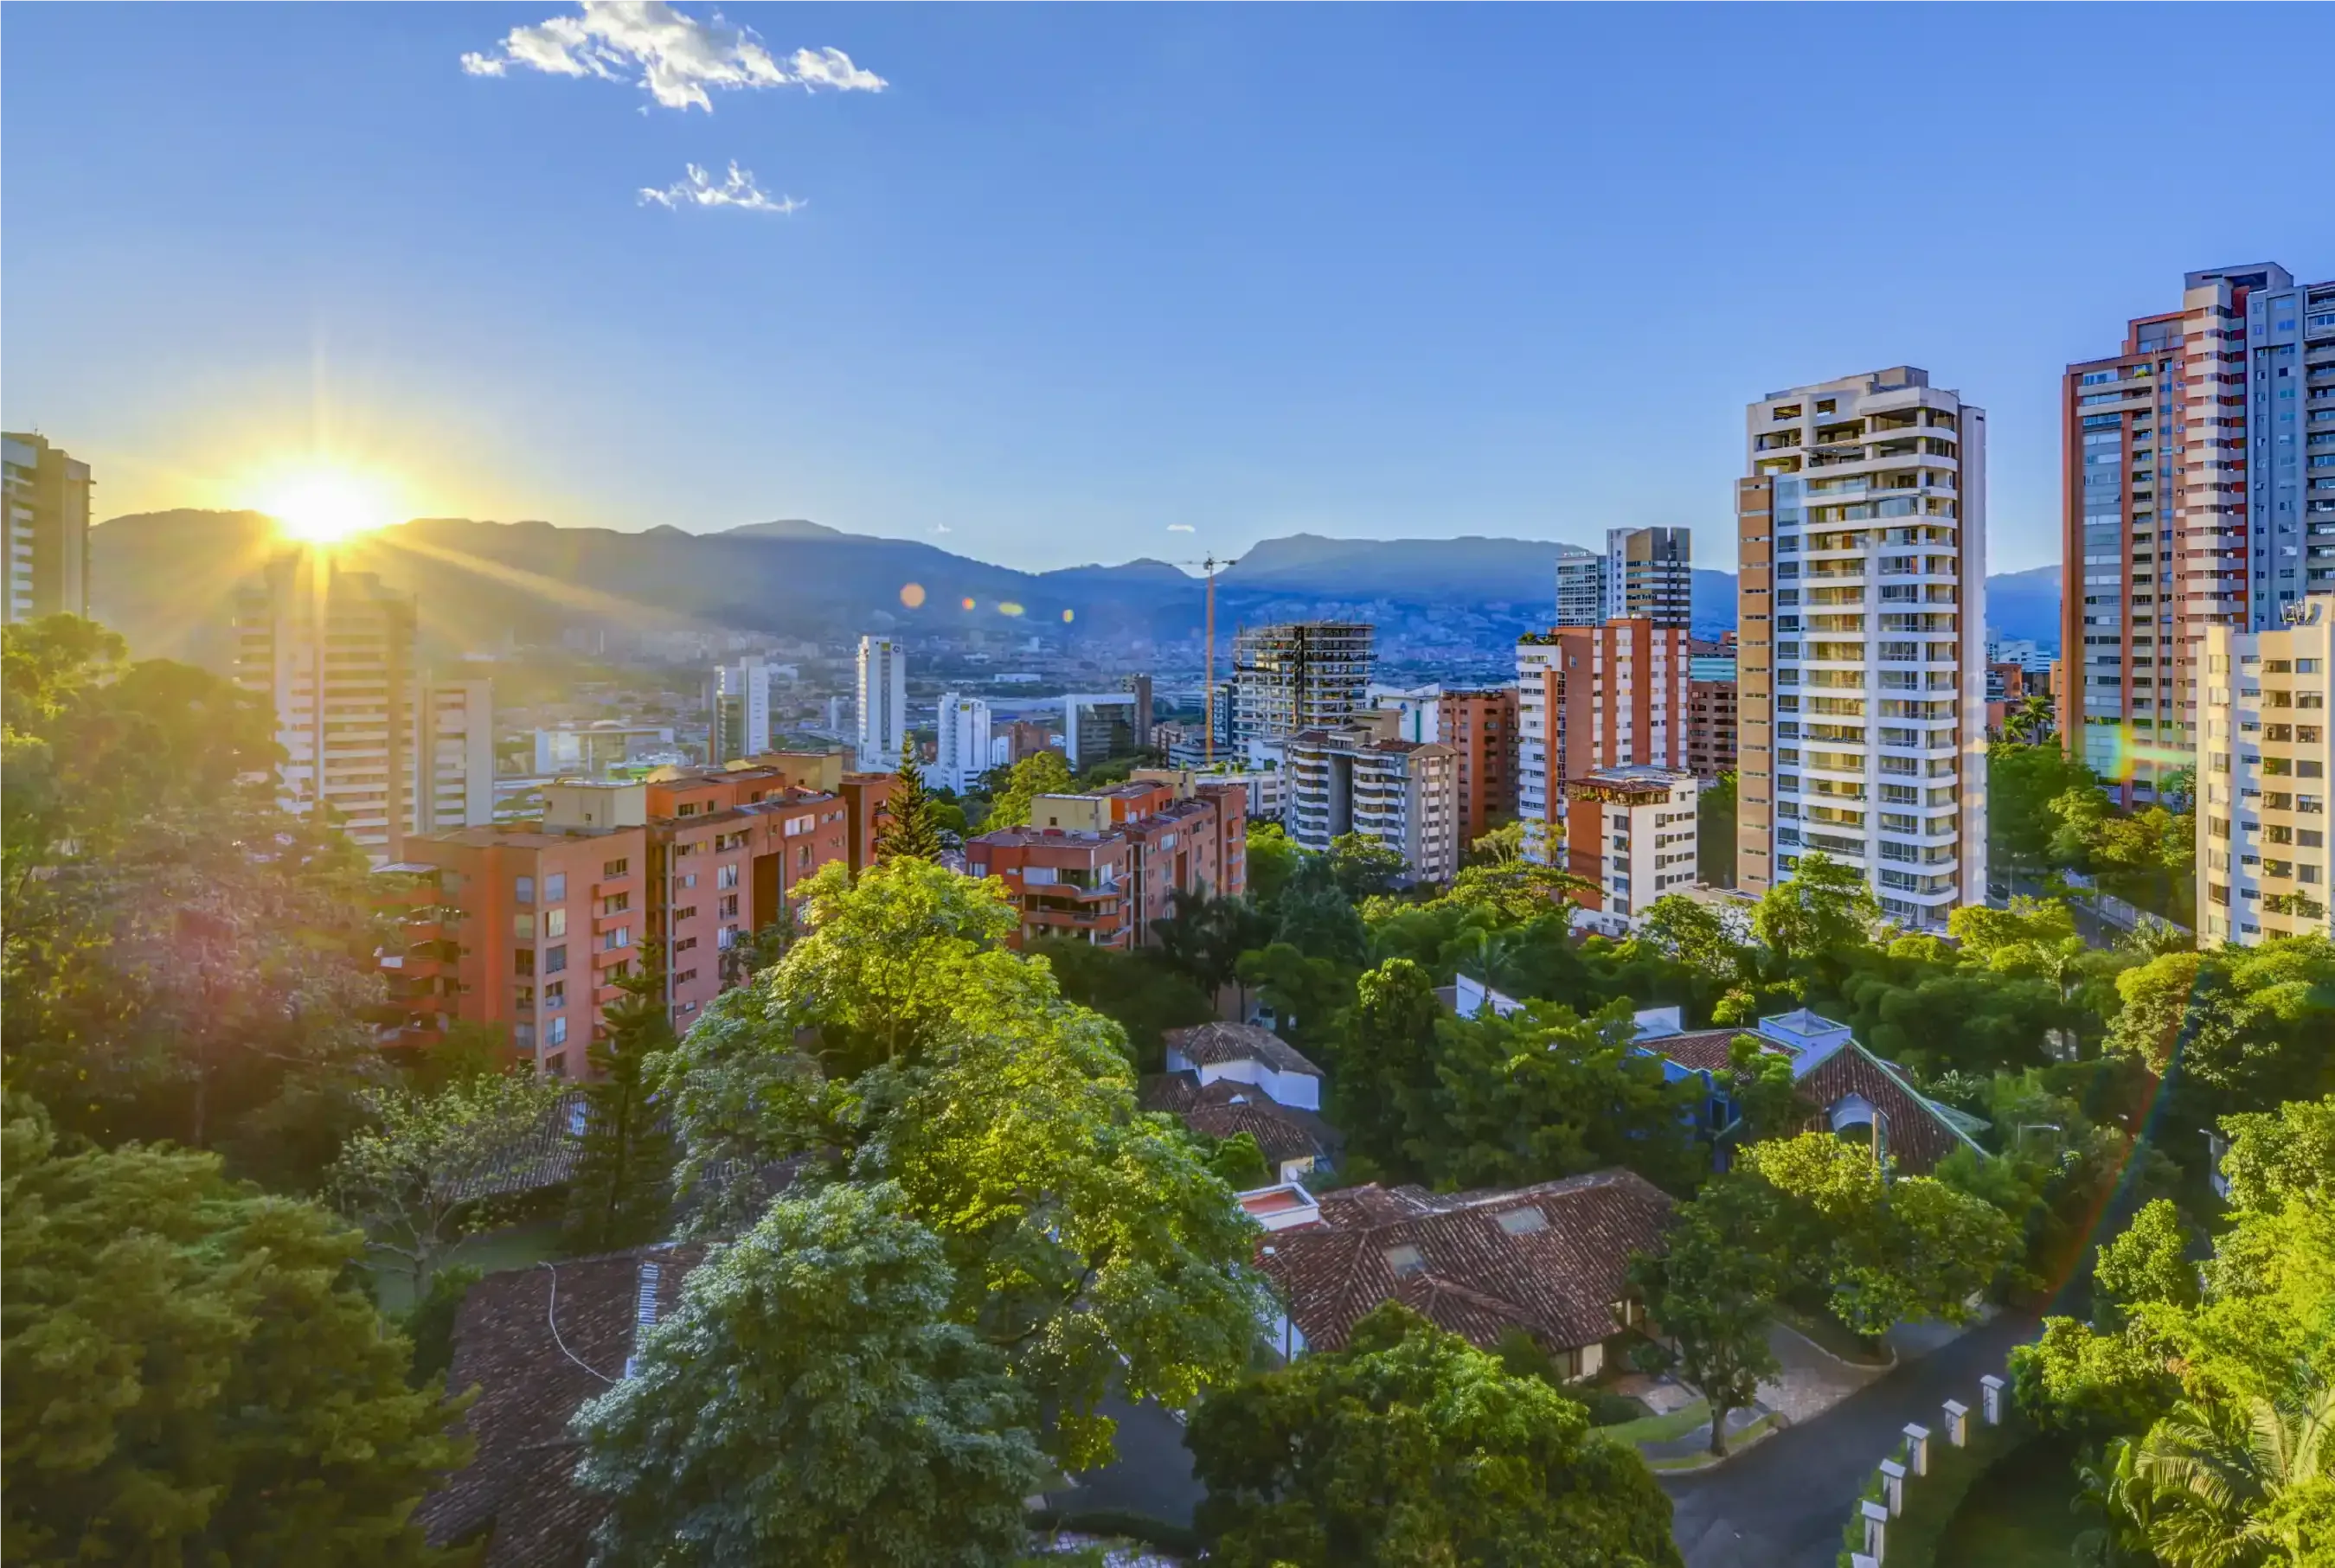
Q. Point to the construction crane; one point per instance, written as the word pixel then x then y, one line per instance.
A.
pixel 1211 566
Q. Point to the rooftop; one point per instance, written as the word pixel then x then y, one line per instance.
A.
pixel 1214 1044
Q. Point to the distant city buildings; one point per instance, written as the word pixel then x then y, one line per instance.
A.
pixel 741 720
pixel 883 703
pixel 1097 726
pixel 963 752
pixel 1862 699
pixel 45 491
pixel 1710 716
pixel 1359 779
pixel 2263 761
pixel 2191 501
pixel 1590 697
pixel 1298 675
pixel 1580 588
pixel 593 750
pixel 1416 709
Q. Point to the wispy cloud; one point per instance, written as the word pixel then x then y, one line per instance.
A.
pixel 1180 528
pixel 942 529
pixel 672 55
pixel 738 191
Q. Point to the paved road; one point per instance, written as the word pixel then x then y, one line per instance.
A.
pixel 1781 1504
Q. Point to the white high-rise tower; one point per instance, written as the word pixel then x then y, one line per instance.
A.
pixel 883 703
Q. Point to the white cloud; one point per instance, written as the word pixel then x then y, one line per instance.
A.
pixel 739 190
pixel 942 529
pixel 1180 528
pixel 674 56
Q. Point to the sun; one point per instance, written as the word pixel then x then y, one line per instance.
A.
pixel 325 506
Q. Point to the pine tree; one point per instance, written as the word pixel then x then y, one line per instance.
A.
pixel 908 827
pixel 622 1192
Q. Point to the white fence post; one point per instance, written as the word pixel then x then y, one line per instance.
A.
pixel 1990 1396
pixel 1957 1423
pixel 1917 1448
pixel 1876 1527
pixel 1892 1485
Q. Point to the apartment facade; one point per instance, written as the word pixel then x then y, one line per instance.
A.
pixel 1711 717
pixel 962 754
pixel 740 723
pixel 1581 589
pixel 1630 830
pixel 1357 778
pixel 1648 575
pixel 333 651
pixel 1480 729
pixel 1067 882
pixel 455 753
pixel 1590 697
pixel 1861 695
pixel 1299 675
pixel 46 493
pixel 1184 834
pixel 2166 528
pixel 2263 760
pixel 883 703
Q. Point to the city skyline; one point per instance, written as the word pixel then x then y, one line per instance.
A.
pixel 1145 284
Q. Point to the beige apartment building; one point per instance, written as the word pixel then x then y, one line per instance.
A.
pixel 2262 763
pixel 1861 689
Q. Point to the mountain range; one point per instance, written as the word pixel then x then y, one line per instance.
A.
pixel 164 579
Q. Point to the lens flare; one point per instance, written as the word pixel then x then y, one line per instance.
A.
pixel 912 595
pixel 325 506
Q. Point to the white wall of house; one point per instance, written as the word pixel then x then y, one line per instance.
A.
pixel 1301 1090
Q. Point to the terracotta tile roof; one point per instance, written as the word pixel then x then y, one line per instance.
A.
pixel 1915 1134
pixel 1278 1138
pixel 515 1495
pixel 1214 1044
pixel 1223 1107
pixel 1557 1275
pixel 1703 1051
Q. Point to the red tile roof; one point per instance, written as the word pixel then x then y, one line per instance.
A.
pixel 1916 1136
pixel 1472 1274
pixel 1705 1050
pixel 516 1494
pixel 1214 1044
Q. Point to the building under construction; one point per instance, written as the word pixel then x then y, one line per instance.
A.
pixel 1299 675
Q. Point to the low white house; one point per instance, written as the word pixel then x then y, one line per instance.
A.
pixel 1243 1054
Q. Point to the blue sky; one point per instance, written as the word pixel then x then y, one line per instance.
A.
pixel 1077 280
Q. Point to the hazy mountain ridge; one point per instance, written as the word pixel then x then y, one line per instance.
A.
pixel 164 579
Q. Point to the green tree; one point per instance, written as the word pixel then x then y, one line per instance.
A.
pixel 1698 936
pixel 1237 1162
pixel 1714 835
pixel 192 1375
pixel 621 1192
pixel 1314 914
pixel 1760 1084
pixel 1818 914
pixel 2247 1480
pixel 1410 1446
pixel 2089 1386
pixel 1040 773
pixel 811 1401
pixel 1363 867
pixel 1204 938
pixel 425 1173
pixel 1713 1291
pixel 2148 1261
pixel 1272 859
pixel 909 828
pixel 1384 1060
pixel 1882 1250
pixel 1136 990
pixel 900 1042
pixel 1307 995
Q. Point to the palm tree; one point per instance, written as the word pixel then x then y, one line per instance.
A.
pixel 2030 722
pixel 2112 1488
pixel 2218 1469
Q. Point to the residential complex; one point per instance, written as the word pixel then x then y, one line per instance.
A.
pixel 1861 702
pixel 1359 779
pixel 1104 867
pixel 1298 675
pixel 2262 763
pixel 883 703
pixel 1580 588
pixel 1710 716
pixel 530 926
pixel 1590 697
pixel 1480 727
pixel 2189 503
pixel 46 493
pixel 961 755
pixel 1632 831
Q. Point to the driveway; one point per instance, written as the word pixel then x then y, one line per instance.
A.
pixel 1782 1502
pixel 1152 1474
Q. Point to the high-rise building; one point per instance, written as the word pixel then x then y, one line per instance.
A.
pixel 1580 588
pixel 1415 707
pixel 2291 445
pixel 1710 717
pixel 1591 697
pixel 2262 762
pixel 1299 675
pixel 46 495
pixel 333 651
pixel 1480 729
pixel 962 755
pixel 742 710
pixel 1359 779
pixel 1648 573
pixel 1630 830
pixel 455 754
pixel 1140 688
pixel 1097 726
pixel 1861 668
pixel 883 703
pixel 2166 530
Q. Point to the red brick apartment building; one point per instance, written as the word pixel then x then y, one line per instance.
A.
pixel 1480 727
pixel 529 927
pixel 1106 866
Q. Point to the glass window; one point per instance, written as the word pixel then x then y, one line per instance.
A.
pixel 555 887
pixel 523 927
pixel 615 868
pixel 523 889
pixel 555 959
pixel 555 922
